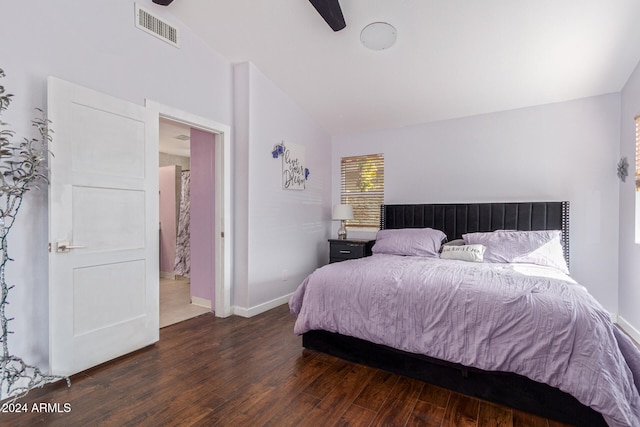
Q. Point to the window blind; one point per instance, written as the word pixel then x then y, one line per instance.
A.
pixel 362 186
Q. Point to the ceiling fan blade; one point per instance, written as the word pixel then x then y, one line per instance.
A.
pixel 163 2
pixel 331 12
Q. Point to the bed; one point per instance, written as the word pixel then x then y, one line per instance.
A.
pixel 467 326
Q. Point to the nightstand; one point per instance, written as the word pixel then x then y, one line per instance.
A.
pixel 340 250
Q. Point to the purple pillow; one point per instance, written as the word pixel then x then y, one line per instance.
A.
pixel 423 242
pixel 542 247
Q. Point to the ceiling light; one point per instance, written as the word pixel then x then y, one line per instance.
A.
pixel 378 36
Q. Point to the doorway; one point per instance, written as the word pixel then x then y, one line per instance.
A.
pixel 219 167
pixel 178 299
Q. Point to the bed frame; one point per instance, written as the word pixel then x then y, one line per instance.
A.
pixel 503 388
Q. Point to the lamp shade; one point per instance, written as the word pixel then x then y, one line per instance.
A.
pixel 341 212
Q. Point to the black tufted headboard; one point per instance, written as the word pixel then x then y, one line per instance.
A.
pixel 456 219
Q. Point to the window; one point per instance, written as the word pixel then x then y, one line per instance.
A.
pixel 362 179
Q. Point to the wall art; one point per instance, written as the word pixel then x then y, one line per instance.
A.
pixel 294 173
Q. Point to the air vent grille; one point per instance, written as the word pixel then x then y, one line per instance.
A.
pixel 156 26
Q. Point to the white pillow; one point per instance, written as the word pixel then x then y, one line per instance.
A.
pixel 473 253
pixel 542 247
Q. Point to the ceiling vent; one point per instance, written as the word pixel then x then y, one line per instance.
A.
pixel 156 26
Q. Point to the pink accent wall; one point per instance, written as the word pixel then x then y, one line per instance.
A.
pixel 202 215
pixel 167 183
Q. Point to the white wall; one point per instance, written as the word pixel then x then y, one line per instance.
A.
pixel 564 151
pixel 629 312
pixel 279 233
pixel 94 44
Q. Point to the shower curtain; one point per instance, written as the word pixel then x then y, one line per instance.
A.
pixel 183 253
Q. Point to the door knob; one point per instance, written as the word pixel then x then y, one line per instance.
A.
pixel 66 246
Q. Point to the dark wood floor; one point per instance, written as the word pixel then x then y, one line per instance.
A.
pixel 251 372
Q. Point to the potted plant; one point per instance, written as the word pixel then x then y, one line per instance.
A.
pixel 22 167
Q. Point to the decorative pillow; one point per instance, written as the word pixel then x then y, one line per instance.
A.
pixel 473 253
pixel 454 242
pixel 542 247
pixel 423 242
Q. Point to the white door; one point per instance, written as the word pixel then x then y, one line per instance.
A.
pixel 103 228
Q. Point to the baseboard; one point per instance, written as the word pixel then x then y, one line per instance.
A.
pixel 629 329
pixel 201 302
pixel 261 308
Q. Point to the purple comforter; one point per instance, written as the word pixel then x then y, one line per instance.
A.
pixel 534 321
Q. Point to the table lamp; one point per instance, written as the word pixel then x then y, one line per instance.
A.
pixel 342 213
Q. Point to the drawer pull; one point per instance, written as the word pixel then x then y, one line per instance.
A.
pixel 345 252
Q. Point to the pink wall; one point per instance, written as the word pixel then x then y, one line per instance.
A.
pixel 202 215
pixel 167 177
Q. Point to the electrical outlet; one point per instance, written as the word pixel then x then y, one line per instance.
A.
pixel 285 275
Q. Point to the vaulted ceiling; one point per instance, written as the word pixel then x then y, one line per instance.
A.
pixel 452 58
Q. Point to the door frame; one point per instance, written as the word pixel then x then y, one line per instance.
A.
pixel 223 208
